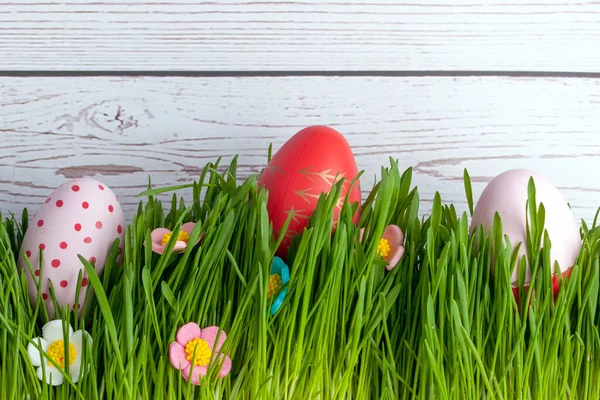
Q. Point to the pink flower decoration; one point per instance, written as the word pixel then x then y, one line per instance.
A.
pixel 190 340
pixel 390 245
pixel 160 234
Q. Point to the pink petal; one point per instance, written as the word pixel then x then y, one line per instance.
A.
pixel 394 235
pixel 394 257
pixel 226 368
pixel 157 248
pixel 180 245
pixel 199 238
pixel 158 234
pixel 210 335
pixel 188 227
pixel 196 374
pixel 188 332
pixel 362 233
pixel 177 356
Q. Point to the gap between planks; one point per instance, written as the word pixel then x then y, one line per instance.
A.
pixel 280 74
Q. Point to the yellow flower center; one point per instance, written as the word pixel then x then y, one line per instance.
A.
pixel 383 248
pixel 274 285
pixel 182 237
pixel 56 351
pixel 203 353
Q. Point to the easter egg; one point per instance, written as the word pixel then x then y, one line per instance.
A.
pixel 306 166
pixel 81 217
pixel 507 194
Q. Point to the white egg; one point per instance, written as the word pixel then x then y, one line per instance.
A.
pixel 507 195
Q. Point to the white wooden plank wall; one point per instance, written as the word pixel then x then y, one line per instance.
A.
pixel 508 35
pixel 126 128
pixel 521 106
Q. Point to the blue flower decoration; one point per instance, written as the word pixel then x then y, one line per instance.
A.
pixel 278 267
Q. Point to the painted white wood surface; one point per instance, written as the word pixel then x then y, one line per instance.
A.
pixel 508 35
pixel 121 130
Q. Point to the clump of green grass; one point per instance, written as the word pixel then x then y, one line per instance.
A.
pixel 439 325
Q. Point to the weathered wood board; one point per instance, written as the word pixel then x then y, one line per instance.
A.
pixel 185 35
pixel 123 129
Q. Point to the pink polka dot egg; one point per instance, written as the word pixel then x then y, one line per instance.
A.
pixel 81 217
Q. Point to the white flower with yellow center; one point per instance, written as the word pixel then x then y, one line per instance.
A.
pixel 52 344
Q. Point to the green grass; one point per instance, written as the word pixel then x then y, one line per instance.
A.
pixel 436 326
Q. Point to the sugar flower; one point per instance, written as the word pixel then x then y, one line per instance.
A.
pixel 53 345
pixel 390 245
pixel 192 352
pixel 280 276
pixel 161 236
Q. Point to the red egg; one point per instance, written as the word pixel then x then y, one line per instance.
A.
pixel 308 164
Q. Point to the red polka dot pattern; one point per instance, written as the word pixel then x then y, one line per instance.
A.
pixel 81 217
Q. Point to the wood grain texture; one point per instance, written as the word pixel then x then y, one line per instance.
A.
pixel 503 35
pixel 121 130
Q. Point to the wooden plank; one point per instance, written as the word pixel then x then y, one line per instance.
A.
pixel 495 35
pixel 123 129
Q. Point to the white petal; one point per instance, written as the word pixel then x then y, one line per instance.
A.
pixel 53 331
pixel 78 342
pixel 34 353
pixel 53 376
pixel 77 338
pixel 74 371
